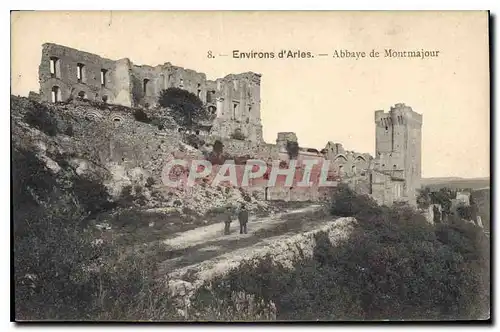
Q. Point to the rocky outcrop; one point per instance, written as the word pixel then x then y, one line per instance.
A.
pixel 106 143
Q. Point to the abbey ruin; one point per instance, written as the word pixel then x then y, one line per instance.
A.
pixel 392 175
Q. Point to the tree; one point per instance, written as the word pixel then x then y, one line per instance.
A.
pixel 424 198
pixel 292 148
pixel 443 197
pixel 465 212
pixel 186 108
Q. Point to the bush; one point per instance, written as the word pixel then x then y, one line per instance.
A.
pixel 237 134
pixel 150 181
pixel 193 140
pixel 346 203
pixel 292 148
pixel 141 116
pixel 69 131
pixel 394 265
pixel 41 118
pixel 185 107
pixel 465 212
pixel 60 271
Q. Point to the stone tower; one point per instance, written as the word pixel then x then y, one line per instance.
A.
pixel 399 149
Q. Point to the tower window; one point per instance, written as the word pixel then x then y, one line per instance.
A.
pixel 145 86
pixel 181 84
pixel 80 72
pixel 82 95
pixel 103 77
pixel 235 110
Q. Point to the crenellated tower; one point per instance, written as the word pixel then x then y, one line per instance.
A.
pixel 398 149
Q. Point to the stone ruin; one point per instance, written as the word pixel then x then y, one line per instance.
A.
pixel 393 175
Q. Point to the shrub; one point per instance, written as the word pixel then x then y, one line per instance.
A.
pixel 346 203
pixel 41 118
pixel 393 266
pixel 69 131
pixel 238 135
pixel 150 181
pixel 292 148
pixel 185 107
pixel 466 212
pixel 193 140
pixel 141 116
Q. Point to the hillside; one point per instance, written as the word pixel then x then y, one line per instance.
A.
pixel 105 144
pixel 456 183
pixel 96 237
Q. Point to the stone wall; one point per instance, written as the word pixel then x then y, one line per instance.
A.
pixel 235 101
pixel 284 250
pixel 58 75
pixel 235 98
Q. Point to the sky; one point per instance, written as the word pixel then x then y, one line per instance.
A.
pixel 321 99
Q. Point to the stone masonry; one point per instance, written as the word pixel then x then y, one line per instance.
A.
pixel 393 175
pixel 66 73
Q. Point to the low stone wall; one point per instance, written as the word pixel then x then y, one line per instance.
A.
pixel 284 249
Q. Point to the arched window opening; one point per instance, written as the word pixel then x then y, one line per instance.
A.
pixel 55 67
pixel 56 94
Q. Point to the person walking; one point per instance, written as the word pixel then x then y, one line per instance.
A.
pixel 227 222
pixel 243 219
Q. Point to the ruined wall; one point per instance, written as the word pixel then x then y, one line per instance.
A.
pixel 235 99
pixel 148 82
pixel 238 106
pixel 332 149
pixel 60 77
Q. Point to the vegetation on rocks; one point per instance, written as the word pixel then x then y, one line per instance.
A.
pixel 394 265
pixel 185 107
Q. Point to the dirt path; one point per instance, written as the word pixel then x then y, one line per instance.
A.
pixel 215 232
pixel 208 245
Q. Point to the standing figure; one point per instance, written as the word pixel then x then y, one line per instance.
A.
pixel 227 222
pixel 243 219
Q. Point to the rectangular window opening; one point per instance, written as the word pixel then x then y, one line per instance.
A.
pixel 80 73
pixel 103 77
pixel 54 67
